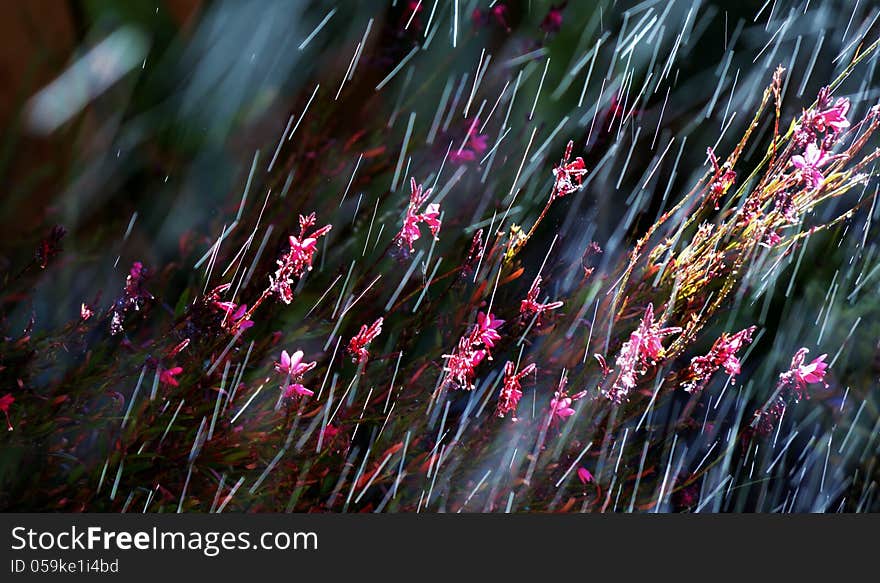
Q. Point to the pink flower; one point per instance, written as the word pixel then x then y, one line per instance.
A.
pixel 584 475
pixel 239 318
pixel 569 175
pixel 488 329
pixel 298 259
pixel 809 163
pixel 722 354
pixel 85 312
pixel 410 233
pixel 461 365
pixel 552 22
pixel 293 365
pixel 357 346
pixel 474 144
pixel 825 117
pixel 561 406
pixel 511 391
pixel 167 376
pixel 6 401
pixel 833 118
pixel 296 389
pixel 804 374
pixel 472 349
pixel 531 306
pixel 643 349
pixel 793 381
pixel 234 315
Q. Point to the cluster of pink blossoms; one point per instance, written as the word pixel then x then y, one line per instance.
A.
pixel 471 351
pixel 722 354
pixel 794 381
pixel 643 349
pixel 531 306
pixel 816 132
pixel 511 391
pixel 298 259
pixel 825 117
pixel 293 367
pixel 431 217
pixel 357 346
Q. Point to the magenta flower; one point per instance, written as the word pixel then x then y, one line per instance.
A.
pixel 235 315
pixel 584 475
pixel 833 118
pixel 651 333
pixel 488 329
pixel 167 376
pixel 6 402
pixel 552 22
pixel 461 365
pixel 293 365
pixel 410 233
pixel 239 318
pixel 569 175
pixel 531 306
pixel 474 145
pixel 642 350
pixel 825 117
pixel 722 354
pixel 511 391
pixel 357 346
pixel 560 406
pixel 809 163
pixel 298 259
pixel 804 374
pixel 296 389
pixel 793 381
pixel 471 351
